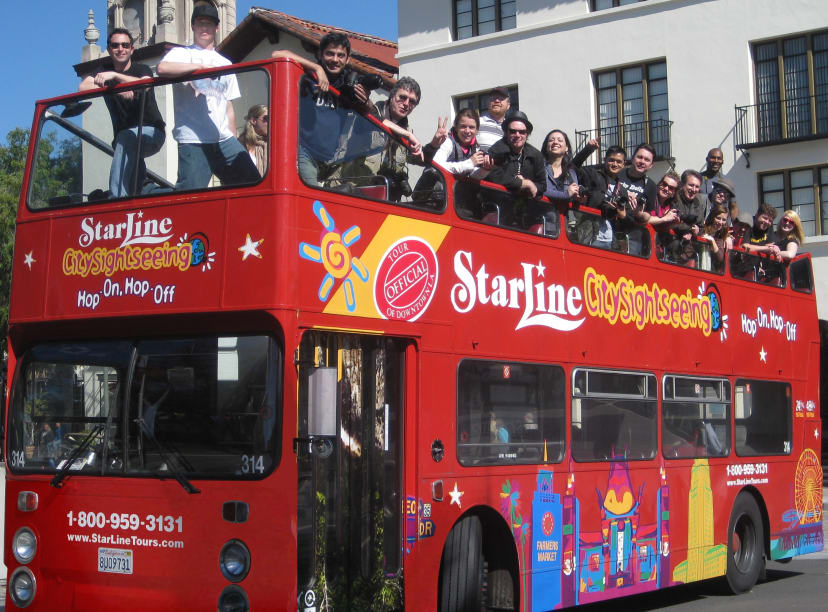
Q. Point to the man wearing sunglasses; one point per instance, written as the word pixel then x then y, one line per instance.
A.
pixel 518 166
pixel 392 161
pixel 125 111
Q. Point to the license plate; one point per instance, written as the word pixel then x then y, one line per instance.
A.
pixel 115 560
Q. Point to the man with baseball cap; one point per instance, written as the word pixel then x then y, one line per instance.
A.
pixel 491 122
pixel 205 121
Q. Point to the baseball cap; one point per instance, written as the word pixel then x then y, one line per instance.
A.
pixel 205 9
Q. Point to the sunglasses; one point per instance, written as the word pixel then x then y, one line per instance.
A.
pixel 402 99
pixel 120 45
pixel 521 132
pixel 666 187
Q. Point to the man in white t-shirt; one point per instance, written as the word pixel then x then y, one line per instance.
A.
pixel 205 122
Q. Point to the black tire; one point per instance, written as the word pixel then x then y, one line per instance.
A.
pixel 745 545
pixel 461 569
pixel 500 589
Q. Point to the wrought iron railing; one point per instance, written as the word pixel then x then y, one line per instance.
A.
pixel 780 120
pixel 655 132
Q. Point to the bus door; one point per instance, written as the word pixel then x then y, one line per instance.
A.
pixel 349 453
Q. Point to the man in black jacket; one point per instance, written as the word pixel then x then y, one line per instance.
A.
pixel 518 166
pixel 607 194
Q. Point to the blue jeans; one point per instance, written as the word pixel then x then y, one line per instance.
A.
pixel 124 158
pixel 227 159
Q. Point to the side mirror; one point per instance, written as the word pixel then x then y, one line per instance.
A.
pixel 322 402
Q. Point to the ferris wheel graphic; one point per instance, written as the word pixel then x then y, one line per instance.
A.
pixel 808 488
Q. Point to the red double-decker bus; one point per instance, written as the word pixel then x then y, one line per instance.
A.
pixel 307 392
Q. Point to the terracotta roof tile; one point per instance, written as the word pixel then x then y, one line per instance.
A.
pixel 372 50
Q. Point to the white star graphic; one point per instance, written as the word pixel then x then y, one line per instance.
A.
pixel 140 214
pixel 251 247
pixel 455 496
pixel 541 268
pixel 763 355
pixel 29 259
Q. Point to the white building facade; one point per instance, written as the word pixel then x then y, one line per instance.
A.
pixel 747 76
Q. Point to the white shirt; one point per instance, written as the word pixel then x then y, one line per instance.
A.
pixel 201 105
pixel 489 132
pixel 465 167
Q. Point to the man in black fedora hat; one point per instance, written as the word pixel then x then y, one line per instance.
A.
pixel 518 166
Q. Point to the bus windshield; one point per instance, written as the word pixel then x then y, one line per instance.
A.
pixel 202 406
pixel 87 147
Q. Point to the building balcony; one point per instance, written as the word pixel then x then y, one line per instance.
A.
pixel 781 121
pixel 655 132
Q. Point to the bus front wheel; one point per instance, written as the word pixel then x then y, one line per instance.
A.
pixel 461 570
pixel 745 544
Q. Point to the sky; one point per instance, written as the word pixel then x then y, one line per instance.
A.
pixel 43 39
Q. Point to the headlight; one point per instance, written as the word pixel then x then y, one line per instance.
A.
pixel 234 561
pixel 233 599
pixel 22 587
pixel 24 545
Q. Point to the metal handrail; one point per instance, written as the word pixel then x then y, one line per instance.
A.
pixel 655 132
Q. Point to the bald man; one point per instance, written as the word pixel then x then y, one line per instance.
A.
pixel 712 171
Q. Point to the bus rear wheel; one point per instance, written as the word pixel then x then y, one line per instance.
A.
pixel 461 570
pixel 745 544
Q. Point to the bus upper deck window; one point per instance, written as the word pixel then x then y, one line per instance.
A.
pixel 88 150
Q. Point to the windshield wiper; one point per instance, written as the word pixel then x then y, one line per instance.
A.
pixel 62 472
pixel 167 455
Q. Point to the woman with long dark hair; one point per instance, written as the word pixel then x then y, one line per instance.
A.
pixel 716 235
pixel 561 176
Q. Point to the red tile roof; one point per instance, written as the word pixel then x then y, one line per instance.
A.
pixel 370 54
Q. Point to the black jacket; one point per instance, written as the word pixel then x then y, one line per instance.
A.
pixel 595 179
pixel 529 164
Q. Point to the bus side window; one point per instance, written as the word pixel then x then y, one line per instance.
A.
pixel 509 413
pixel 801 275
pixel 763 418
pixel 695 417
pixel 613 416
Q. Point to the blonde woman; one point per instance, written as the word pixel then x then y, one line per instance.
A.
pixel 254 137
pixel 790 234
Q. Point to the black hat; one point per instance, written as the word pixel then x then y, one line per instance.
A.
pixel 679 229
pixel 205 9
pixel 499 90
pixel 725 185
pixel 517 116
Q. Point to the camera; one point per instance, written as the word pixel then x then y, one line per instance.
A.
pixel 398 179
pixel 369 83
pixel 583 192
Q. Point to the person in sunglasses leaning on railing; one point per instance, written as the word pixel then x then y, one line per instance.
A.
pixel 124 111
